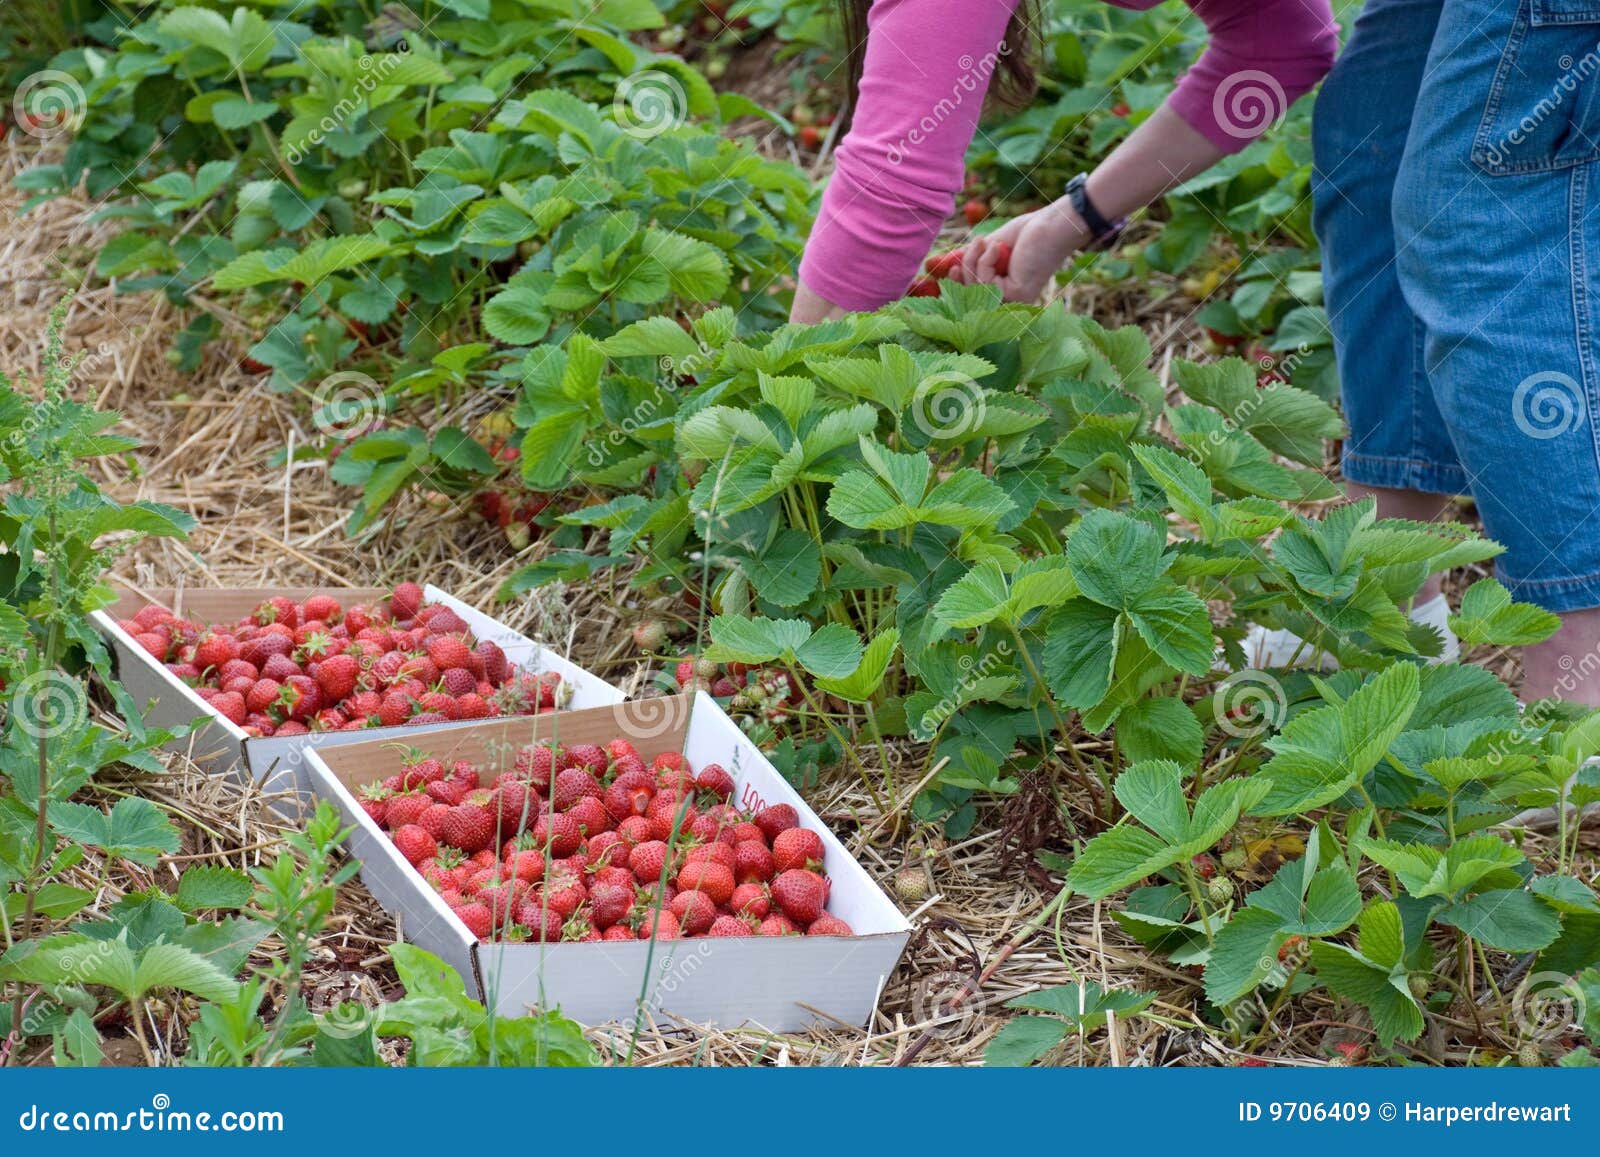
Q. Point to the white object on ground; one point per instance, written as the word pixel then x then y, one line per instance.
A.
pixel 1282 648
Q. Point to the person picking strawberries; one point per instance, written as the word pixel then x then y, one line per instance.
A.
pixel 920 70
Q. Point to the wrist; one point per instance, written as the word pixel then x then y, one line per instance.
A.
pixel 1069 232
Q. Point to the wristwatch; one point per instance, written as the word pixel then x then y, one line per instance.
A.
pixel 1103 234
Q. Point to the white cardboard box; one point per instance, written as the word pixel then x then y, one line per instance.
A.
pixel 277 762
pixel 783 984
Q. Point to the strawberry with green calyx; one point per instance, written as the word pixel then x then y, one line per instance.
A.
pixel 797 848
pixel 800 894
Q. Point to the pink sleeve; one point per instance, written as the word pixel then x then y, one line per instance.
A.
pixel 1263 55
pixel 898 170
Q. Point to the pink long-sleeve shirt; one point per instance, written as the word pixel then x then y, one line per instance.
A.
pixel 927 68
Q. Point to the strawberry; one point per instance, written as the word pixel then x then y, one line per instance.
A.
pixel 1002 258
pixel 591 816
pixel 468 827
pixel 604 848
pixel 801 894
pixel 406 600
pixel 300 698
pixel 281 668
pixel 662 925
pixel 797 848
pixel 589 757
pixel 415 844
pixel 828 924
pixel 526 864
pixel 292 727
pixel 714 853
pixel 975 211
pixel 543 923
pixel 729 926
pixel 395 709
pixel 648 860
pixel 810 138
pixel 650 635
pixel 323 608
pixel 535 765
pixel 684 672
pixel 421 772
pixel 776 818
pixel 457 681
pixel 230 705
pixel 609 903
pixel 215 650
pixel 558 832
pixel 433 818
pixel 494 661
pixel 441 620
pixel 944 264
pixel 504 899
pixel 777 925
pixel 446 791
pixel 923 287
pixel 695 912
pixel 278 609
pixel 573 784
pixel 564 892
pixel 407 809
pixel 1120 109
pixel 750 900
pixel 620 749
pixel 753 863
pixel 1204 866
pixel 374 800
pixel 634 831
pixel 618 932
pixel 448 651
pixel 337 675
pixel 477 918
pixel 518 804
pixel 237 669
pixel 712 778
pixel 707 876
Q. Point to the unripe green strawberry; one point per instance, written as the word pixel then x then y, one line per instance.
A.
pixel 1529 1056
pixel 911 884
pixel 650 635
pixel 1220 890
pixel 1234 859
pixel 1419 984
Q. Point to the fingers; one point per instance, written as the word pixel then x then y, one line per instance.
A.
pixel 967 272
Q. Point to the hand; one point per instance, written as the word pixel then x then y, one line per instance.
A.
pixel 1041 242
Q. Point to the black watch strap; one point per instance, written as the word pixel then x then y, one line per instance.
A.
pixel 1102 232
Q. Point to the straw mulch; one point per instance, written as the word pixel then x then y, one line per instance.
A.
pixel 213 446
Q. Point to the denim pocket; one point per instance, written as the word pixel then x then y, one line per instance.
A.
pixel 1543 110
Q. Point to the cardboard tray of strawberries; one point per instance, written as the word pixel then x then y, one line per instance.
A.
pixel 271 681
pixel 592 859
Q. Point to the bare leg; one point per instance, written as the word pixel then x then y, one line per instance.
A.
pixel 1567 664
pixel 1414 505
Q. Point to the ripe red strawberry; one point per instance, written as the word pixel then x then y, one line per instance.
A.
pixel 745 831
pixel 975 211
pixel 447 791
pixel 263 695
pixel 564 892
pixel 536 763
pixel 214 650
pixel 406 600
pixel 278 609
pixel 322 608
pixel 280 667
pixel 415 844
pixel 230 705
pixel 573 784
pixel 477 918
pixel 558 832
pixel 776 818
pixel 421 772
pixel 407 808
pixel 448 651
pixel 777 924
pixel 797 848
pixel 661 925
pixel 712 778
pixel 237 668
pixel 1204 866
pixel 609 903
pixel 710 829
pixel 433 818
pixel 329 719
pixel 729 926
pixel 923 287
pixel 457 681
pixel 504 899
pixel 828 924
pixel 707 876
pixel 750 900
pixel 800 894
pixel 543 923
pixel 591 816
pixel 518 805
pixel 395 709
pixel 648 860
pixel 292 727
pixel 468 827
pixel 695 912
pixel 605 848
pixel 300 698
pixel 753 863
pixel 944 264
pixel 526 865
pixel 634 830
pixel 337 675
pixel 684 672
pixel 374 800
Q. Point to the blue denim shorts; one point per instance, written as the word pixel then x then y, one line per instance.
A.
pixel 1457 199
